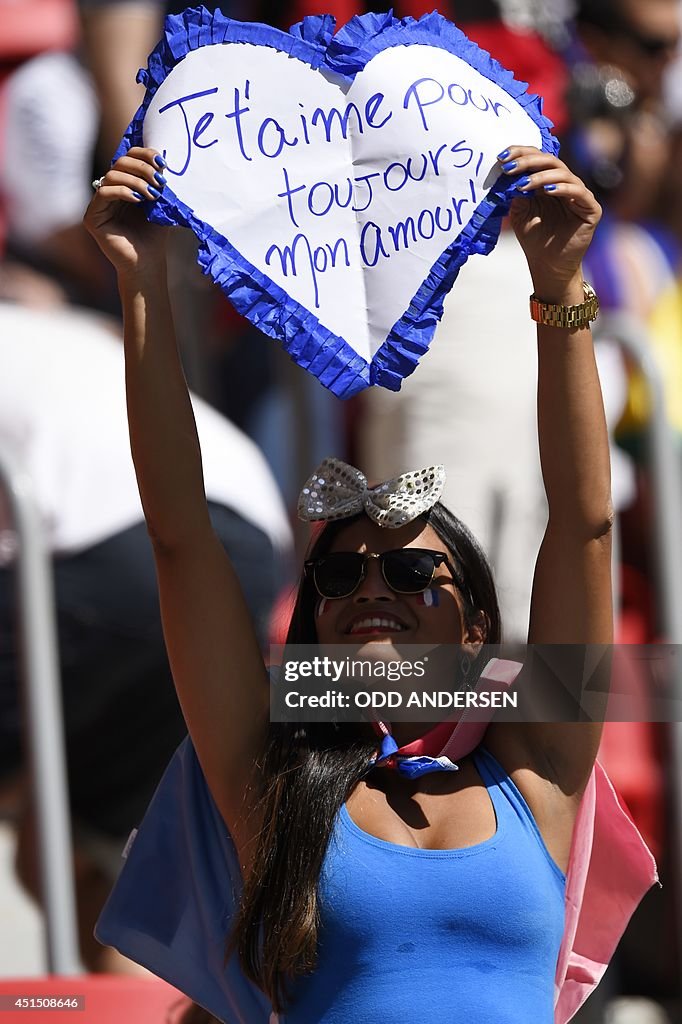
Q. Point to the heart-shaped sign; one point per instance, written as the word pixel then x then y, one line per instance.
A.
pixel 336 183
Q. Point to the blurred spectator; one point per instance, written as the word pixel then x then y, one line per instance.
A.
pixel 63 420
pixel 627 45
pixel 619 142
pixel 50 121
pixel 640 37
pixel 118 38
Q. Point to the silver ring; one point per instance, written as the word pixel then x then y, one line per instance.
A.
pixel 98 182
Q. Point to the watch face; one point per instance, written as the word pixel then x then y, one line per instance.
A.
pixel 554 315
pixel 591 302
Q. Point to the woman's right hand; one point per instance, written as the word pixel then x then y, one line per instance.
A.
pixel 122 232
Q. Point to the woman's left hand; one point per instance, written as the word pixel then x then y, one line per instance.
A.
pixel 554 217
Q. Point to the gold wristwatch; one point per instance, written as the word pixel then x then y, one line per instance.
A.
pixel 553 314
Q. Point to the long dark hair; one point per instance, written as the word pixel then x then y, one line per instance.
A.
pixel 308 773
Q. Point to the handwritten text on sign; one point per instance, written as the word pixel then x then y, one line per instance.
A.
pixel 345 197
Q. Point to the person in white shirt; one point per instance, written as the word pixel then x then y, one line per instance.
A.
pixel 63 421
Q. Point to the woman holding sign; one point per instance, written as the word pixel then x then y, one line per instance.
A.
pixel 364 880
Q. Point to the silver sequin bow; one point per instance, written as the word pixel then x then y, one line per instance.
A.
pixel 337 491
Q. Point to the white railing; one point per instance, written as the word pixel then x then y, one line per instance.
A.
pixel 42 694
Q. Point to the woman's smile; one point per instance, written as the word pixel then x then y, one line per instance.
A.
pixel 377 624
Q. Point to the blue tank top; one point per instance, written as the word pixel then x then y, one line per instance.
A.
pixel 466 936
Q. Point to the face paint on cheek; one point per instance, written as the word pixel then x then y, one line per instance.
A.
pixel 322 606
pixel 429 598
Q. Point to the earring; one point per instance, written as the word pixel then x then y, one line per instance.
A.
pixel 465 668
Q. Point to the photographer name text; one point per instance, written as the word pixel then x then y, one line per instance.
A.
pixel 456 699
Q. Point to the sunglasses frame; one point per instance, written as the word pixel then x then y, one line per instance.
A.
pixel 439 558
pixel 651 45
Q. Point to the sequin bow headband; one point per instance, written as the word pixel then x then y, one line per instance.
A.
pixel 336 491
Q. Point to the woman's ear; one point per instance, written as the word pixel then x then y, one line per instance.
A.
pixel 475 634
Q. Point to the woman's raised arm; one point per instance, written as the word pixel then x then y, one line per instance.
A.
pixel 572 599
pixel 212 646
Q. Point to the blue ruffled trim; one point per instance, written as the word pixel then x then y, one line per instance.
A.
pixel 309 343
pixel 269 308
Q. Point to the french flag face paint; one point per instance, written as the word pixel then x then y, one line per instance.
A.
pixel 429 598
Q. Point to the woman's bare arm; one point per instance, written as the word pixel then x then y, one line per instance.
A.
pixel 216 663
pixel 572 599
pixel 572 591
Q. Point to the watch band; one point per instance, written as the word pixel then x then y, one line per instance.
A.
pixel 553 314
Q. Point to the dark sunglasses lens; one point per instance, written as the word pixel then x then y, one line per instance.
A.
pixel 338 574
pixel 657 47
pixel 408 572
pixel 653 46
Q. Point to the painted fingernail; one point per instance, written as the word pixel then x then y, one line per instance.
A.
pixel 550 188
pixel 159 161
pixel 138 197
pixel 510 166
pixel 503 155
pixel 153 191
pixel 523 182
pixel 160 178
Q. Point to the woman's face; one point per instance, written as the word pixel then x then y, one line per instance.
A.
pixel 376 614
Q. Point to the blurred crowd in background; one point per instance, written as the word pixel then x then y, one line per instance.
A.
pixel 610 72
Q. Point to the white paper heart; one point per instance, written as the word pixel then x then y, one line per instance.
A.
pixel 337 184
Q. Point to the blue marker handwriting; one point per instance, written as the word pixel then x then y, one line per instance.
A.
pixel 228 117
pixel 207 117
pixel 300 259
pixel 358 192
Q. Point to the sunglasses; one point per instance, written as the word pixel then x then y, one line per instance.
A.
pixel 405 570
pixel 652 46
